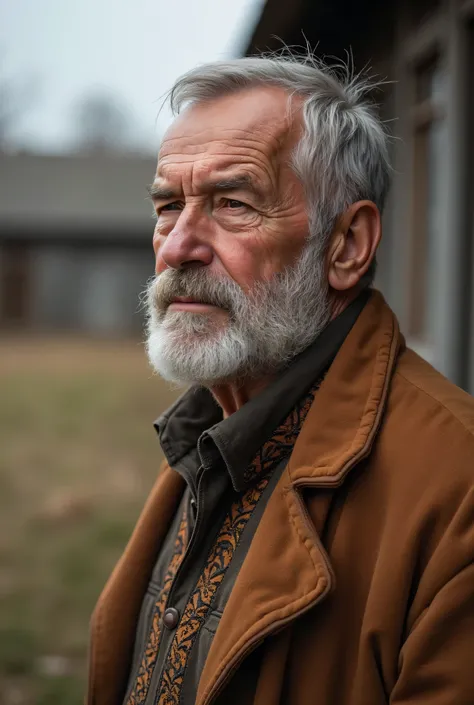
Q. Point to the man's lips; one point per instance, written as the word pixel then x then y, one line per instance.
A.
pixel 185 300
pixel 187 303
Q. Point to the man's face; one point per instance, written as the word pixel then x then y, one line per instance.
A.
pixel 235 205
pixel 231 220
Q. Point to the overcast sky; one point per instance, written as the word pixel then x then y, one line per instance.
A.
pixel 55 52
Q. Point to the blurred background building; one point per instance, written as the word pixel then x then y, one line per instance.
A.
pixel 75 242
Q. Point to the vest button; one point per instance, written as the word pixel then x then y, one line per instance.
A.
pixel 171 618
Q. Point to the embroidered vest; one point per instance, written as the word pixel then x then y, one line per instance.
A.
pixel 220 556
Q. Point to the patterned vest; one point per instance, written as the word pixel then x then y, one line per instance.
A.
pixel 200 601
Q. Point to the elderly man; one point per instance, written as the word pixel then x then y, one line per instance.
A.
pixel 311 536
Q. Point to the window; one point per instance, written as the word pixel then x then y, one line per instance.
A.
pixel 15 272
pixel 429 148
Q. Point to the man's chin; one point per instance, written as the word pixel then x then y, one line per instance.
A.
pixel 184 358
pixel 192 326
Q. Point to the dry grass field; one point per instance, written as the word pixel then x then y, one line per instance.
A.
pixel 78 457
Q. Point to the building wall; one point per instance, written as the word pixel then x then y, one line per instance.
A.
pixel 429 223
pixel 74 286
pixel 89 288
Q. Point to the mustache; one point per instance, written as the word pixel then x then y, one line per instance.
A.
pixel 194 283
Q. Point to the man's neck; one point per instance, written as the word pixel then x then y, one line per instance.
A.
pixel 232 396
pixel 341 301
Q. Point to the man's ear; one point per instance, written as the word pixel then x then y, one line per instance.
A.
pixel 353 244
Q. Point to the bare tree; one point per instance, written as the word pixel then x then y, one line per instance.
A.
pixel 103 124
pixel 16 96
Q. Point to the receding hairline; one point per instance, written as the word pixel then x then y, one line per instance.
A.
pixel 293 101
pixel 288 129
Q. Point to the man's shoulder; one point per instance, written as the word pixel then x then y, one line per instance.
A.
pixel 427 388
pixel 430 417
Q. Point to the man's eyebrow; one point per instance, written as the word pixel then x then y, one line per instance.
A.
pixel 233 183
pixel 161 193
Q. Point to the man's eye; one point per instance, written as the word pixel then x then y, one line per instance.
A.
pixel 174 206
pixel 233 203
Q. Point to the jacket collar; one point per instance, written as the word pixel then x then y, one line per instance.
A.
pixel 287 571
pixel 345 417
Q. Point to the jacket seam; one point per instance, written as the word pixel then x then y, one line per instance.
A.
pixel 445 585
pixel 379 387
pixel 291 501
pixel 438 402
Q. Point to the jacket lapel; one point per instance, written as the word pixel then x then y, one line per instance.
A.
pixel 287 571
pixel 114 619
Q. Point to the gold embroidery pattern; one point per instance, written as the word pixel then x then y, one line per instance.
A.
pixel 283 439
pixel 222 552
pixel 145 672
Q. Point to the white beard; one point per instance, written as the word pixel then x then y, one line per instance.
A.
pixel 263 332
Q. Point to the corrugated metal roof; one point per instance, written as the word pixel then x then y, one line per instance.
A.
pixel 76 193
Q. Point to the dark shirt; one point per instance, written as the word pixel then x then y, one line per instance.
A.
pixel 231 467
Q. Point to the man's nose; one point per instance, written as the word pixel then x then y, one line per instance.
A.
pixel 187 245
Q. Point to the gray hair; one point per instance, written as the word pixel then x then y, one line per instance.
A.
pixel 342 156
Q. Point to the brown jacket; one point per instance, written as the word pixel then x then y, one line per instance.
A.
pixel 358 587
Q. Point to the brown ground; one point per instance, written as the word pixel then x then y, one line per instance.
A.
pixel 78 457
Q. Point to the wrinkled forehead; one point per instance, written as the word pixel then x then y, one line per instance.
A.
pixel 263 121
